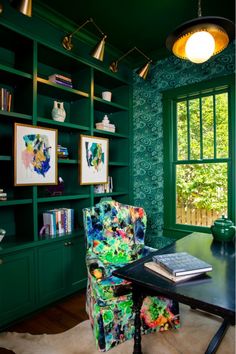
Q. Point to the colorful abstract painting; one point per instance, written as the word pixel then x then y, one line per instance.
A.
pixel 93 160
pixel 35 155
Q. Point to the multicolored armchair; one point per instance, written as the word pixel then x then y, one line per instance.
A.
pixel 114 237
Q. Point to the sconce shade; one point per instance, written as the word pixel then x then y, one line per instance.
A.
pixel 98 51
pixel 143 71
pixel 23 6
pixel 221 29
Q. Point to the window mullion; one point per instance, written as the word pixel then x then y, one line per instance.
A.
pixel 201 132
pixel 188 129
pixel 214 124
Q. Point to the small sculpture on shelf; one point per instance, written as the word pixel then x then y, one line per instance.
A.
pixel 106 125
pixel 56 190
pixel 2 234
pixel 58 112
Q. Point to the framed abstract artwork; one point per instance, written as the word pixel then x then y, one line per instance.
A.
pixel 35 155
pixel 93 160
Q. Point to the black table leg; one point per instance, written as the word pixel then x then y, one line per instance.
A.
pixel 138 300
pixel 216 340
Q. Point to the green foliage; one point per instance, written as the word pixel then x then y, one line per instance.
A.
pixel 203 134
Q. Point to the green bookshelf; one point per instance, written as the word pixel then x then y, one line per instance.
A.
pixel 39 267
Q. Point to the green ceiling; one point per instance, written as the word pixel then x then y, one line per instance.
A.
pixel 144 24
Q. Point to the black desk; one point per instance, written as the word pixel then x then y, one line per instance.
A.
pixel 214 293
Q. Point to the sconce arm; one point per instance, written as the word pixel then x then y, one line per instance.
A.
pixel 90 20
pixel 130 51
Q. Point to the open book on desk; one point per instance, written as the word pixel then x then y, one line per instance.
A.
pixel 163 272
pixel 181 263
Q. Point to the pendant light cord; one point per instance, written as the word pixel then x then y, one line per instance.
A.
pixel 199 9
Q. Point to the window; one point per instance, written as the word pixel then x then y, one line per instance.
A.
pixel 199 155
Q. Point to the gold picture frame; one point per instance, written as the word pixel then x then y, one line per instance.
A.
pixel 35 155
pixel 93 160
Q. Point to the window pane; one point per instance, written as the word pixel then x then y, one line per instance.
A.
pixel 182 131
pixel 208 127
pixel 201 193
pixel 222 125
pixel 194 129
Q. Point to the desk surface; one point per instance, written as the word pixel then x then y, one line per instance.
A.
pixel 214 292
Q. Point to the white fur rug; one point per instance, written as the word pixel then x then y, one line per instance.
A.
pixel 192 338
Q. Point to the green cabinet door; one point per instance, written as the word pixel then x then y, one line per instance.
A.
pixel 61 269
pixel 76 267
pixel 51 272
pixel 17 285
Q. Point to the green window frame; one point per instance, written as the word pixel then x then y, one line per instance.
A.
pixel 171 98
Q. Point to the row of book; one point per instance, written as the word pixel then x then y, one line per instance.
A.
pixel 3 195
pixel 61 80
pixel 5 99
pixel 104 188
pixel 58 221
pixel 179 266
pixel 62 152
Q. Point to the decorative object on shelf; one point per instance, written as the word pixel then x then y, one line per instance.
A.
pixel 57 189
pixel 3 195
pixel 142 72
pixel 61 80
pixel 98 51
pixel 93 160
pixel 35 155
pixel 199 39
pixel 62 152
pixel 2 234
pixel 106 125
pixel 223 229
pixel 58 112
pixel 5 99
pixel 104 188
pixel 106 95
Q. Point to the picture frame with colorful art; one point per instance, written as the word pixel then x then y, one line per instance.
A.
pixel 35 155
pixel 93 160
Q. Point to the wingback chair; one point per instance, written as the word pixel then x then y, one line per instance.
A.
pixel 114 237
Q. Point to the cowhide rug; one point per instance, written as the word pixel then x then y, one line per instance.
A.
pixel 192 338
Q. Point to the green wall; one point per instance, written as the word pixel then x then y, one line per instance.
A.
pixel 148 126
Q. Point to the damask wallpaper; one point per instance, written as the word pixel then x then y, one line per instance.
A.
pixel 147 126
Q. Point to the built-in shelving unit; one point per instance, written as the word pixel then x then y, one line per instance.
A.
pixel 27 261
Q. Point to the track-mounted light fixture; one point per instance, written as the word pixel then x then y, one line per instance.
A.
pixel 142 72
pixel 98 51
pixel 199 39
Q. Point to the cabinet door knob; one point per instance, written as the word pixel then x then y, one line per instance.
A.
pixel 1 261
pixel 66 244
pixel 69 243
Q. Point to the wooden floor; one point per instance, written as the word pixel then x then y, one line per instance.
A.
pixel 57 318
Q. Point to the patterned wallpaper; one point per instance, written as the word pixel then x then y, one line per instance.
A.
pixel 147 125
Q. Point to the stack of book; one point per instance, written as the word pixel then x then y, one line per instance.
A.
pixel 61 80
pixel 104 188
pixel 5 99
pixel 3 195
pixel 178 266
pixel 62 152
pixel 58 221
